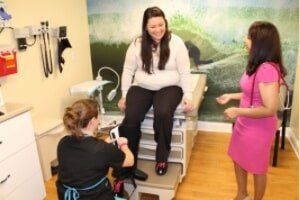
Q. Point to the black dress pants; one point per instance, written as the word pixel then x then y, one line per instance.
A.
pixel 138 101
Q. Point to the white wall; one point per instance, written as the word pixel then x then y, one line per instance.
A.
pixel 294 124
pixel 48 96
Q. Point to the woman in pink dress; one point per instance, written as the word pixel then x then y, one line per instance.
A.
pixel 256 117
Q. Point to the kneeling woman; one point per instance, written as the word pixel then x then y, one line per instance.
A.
pixel 83 160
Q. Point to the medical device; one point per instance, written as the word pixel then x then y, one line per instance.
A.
pixel 62 43
pixel 45 47
pixel 93 89
pixel 4 17
pixel 183 139
pixel 111 95
pixel 44 34
pixel 8 61
pixel 21 34
pixel 114 135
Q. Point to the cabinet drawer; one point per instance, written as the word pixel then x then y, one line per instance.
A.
pixel 20 167
pixel 148 137
pixel 177 124
pixel 148 152
pixel 15 133
pixel 25 191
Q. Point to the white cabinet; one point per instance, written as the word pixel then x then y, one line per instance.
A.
pixel 15 133
pixel 48 133
pixel 20 171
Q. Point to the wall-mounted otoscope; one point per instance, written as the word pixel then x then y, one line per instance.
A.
pixel 44 36
pixel 45 46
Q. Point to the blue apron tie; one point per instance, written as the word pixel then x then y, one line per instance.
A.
pixel 72 193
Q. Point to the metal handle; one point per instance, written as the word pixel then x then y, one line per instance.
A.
pixel 4 180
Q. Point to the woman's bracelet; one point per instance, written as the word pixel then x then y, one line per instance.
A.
pixel 122 144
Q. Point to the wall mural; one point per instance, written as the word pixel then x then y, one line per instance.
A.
pixel 213 32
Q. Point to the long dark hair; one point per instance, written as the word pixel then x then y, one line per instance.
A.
pixel 79 115
pixel 265 46
pixel 148 43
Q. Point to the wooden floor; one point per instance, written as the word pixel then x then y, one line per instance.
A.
pixel 210 174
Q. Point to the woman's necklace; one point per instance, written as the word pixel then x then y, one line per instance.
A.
pixel 155 50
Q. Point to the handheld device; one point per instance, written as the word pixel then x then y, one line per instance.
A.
pixel 114 134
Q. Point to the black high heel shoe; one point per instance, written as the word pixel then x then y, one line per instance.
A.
pixel 140 175
pixel 161 168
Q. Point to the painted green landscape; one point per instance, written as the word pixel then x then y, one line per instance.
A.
pixel 217 33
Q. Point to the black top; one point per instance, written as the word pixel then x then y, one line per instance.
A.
pixel 84 162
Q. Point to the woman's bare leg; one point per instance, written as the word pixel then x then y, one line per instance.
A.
pixel 241 179
pixel 260 182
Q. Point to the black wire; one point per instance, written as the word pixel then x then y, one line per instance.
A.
pixel 46 54
pixel 50 55
pixel 33 42
pixel 43 59
pixel 2 28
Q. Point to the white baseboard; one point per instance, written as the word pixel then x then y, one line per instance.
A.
pixel 227 128
pixel 214 126
pixel 293 140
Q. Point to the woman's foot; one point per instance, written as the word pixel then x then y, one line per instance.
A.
pixel 140 175
pixel 243 197
pixel 161 168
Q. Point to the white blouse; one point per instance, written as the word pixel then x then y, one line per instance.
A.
pixel 176 72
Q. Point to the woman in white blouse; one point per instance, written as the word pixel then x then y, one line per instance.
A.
pixel 156 73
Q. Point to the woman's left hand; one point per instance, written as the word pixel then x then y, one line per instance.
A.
pixel 231 113
pixel 187 105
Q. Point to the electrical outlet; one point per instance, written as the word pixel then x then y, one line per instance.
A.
pixel 34 30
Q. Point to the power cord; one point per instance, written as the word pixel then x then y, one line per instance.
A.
pixel 32 42
pixel 4 27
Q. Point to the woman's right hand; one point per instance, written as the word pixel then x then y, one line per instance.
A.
pixel 122 104
pixel 223 99
pixel 123 146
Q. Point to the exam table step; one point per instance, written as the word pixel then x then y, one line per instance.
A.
pixel 164 187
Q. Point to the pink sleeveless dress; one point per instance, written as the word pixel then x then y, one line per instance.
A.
pixel 252 138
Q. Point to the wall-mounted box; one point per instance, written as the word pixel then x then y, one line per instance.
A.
pixel 8 62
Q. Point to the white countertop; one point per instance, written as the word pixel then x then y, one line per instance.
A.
pixel 12 109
